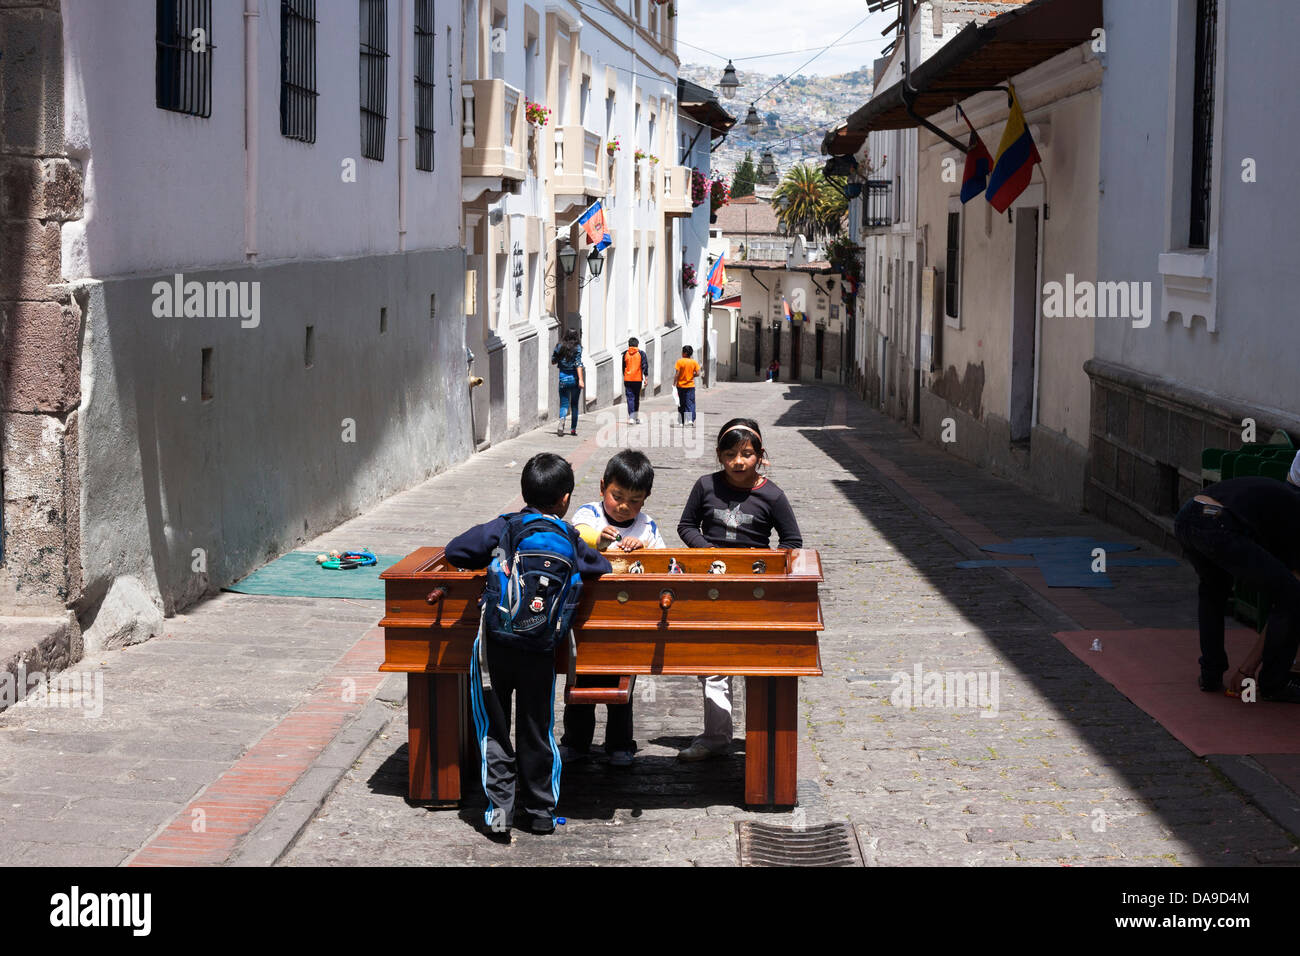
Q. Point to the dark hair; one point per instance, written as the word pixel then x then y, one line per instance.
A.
pixel 731 436
pixel 632 342
pixel 546 479
pixel 632 470
pixel 568 348
pixel 687 351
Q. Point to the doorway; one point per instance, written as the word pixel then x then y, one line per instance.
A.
pixel 1024 323
pixel 796 342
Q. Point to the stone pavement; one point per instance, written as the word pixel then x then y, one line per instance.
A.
pixel 257 721
pixel 1067 771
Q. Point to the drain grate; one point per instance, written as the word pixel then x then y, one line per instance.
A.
pixel 828 844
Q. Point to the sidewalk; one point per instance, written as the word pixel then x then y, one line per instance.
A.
pixel 256 721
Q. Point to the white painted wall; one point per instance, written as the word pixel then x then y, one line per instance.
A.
pixel 166 191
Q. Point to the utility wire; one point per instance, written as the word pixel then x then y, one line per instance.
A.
pixel 789 76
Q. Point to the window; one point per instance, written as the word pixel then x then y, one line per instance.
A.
pixel 374 77
pixel 298 69
pixel 424 84
pixel 951 265
pixel 206 388
pixel 1203 123
pixel 183 74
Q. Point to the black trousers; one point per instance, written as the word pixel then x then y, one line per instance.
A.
pixel 524 778
pixel 1222 549
pixel 580 720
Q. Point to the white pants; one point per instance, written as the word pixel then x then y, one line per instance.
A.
pixel 717 713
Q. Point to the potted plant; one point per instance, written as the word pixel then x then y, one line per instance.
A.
pixel 689 280
pixel 612 147
pixel 700 186
pixel 640 154
pixel 536 113
pixel 719 196
pixel 653 159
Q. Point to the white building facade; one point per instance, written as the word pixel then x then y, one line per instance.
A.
pixel 267 286
pixel 607 74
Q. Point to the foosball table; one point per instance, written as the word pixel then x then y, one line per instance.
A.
pixel 726 611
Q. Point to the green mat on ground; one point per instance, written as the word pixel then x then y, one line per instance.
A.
pixel 297 574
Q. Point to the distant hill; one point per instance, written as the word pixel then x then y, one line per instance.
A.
pixel 795 116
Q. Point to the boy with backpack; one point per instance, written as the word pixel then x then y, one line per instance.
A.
pixel 535 562
pixel 634 369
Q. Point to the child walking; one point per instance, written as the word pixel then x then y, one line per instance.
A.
pixel 736 507
pixel 634 372
pixel 568 358
pixel 685 371
pixel 527 674
pixel 616 522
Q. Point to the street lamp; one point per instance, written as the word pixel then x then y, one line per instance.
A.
pixel 729 82
pixel 568 257
pixel 752 122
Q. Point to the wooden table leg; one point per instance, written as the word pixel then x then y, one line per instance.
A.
pixel 771 741
pixel 434 705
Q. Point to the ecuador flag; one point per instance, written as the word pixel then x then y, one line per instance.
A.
pixel 1017 155
pixel 975 174
pixel 717 278
pixel 593 223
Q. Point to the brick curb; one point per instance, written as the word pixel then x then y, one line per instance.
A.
pixel 271 839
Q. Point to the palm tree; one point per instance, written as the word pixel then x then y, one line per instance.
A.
pixel 807 204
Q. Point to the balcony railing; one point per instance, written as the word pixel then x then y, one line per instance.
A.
pixel 492 139
pixel 676 198
pixel 577 166
pixel 875 204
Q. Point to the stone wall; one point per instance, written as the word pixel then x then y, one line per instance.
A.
pixel 1147 435
pixel 40 323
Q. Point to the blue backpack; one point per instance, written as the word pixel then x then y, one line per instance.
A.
pixel 533 583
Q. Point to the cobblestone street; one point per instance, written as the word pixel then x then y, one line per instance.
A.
pixel 1058 768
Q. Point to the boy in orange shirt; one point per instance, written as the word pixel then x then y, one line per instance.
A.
pixel 686 369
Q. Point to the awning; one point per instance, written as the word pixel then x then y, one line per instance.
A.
pixel 980 57
pixel 702 106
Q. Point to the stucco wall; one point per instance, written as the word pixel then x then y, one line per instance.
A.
pixel 263 465
pixel 167 190
pixel 1242 361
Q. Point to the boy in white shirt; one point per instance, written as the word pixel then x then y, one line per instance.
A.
pixel 617 523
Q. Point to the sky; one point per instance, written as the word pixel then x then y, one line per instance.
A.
pixel 796 31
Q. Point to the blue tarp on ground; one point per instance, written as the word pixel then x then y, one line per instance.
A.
pixel 1065 562
pixel 297 574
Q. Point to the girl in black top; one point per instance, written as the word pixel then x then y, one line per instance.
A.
pixel 736 507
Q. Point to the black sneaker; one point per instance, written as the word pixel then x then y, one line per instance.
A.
pixel 1288 693
pixel 539 826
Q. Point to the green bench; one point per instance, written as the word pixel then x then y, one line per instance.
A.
pixel 1267 460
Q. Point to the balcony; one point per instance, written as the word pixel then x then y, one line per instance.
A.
pixel 492 139
pixel 675 199
pixel 577 162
